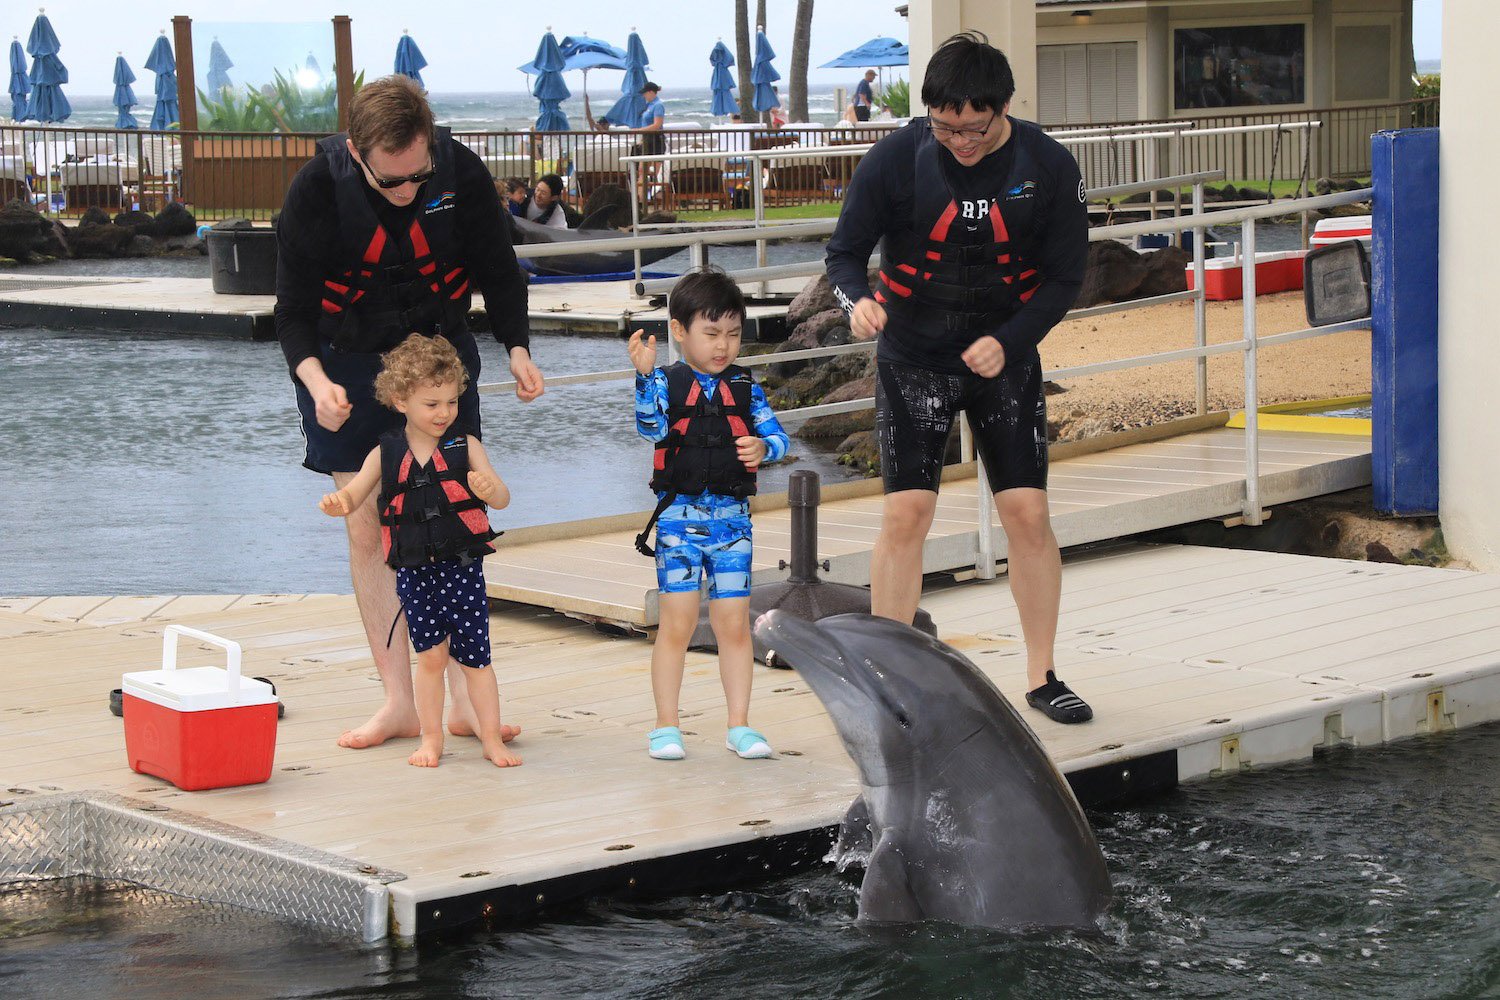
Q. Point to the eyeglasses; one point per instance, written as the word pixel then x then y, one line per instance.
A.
pixel 395 182
pixel 942 132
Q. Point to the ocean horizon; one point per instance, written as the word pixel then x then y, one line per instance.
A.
pixel 503 111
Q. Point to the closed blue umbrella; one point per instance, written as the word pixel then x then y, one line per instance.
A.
pixel 722 83
pixel 124 98
pixel 219 64
pixel 550 90
pixel 409 59
pixel 163 63
pixel 48 74
pixel 631 105
pixel 763 74
pixel 20 86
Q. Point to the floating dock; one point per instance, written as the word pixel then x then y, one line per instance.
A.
pixel 190 306
pixel 1199 662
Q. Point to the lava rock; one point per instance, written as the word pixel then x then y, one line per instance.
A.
pixel 174 220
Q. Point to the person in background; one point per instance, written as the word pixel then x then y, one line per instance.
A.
pixel 653 139
pixel 864 96
pixel 366 222
pixel 983 231
pixel 545 204
pixel 712 428
pixel 516 196
pixel 777 112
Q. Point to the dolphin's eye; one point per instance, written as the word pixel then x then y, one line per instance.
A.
pixel 905 720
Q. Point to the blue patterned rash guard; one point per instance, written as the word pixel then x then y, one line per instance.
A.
pixel 708 535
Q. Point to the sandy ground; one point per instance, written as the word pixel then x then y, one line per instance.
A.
pixel 1318 368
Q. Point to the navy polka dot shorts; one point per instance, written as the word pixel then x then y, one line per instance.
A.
pixel 445 600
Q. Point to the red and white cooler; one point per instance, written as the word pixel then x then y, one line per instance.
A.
pixel 1350 227
pixel 199 727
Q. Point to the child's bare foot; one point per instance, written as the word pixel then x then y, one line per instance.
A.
pixel 428 754
pixel 497 751
pixel 388 723
pixel 463 727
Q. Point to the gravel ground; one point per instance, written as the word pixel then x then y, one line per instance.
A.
pixel 1319 368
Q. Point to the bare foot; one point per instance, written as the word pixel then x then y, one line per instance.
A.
pixel 497 751
pixel 388 723
pixel 461 727
pixel 427 755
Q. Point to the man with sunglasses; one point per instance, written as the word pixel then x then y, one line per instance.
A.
pixel 387 231
pixel 984 239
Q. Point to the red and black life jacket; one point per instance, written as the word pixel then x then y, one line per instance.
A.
pixel 698 455
pixel 427 512
pixel 392 285
pixel 976 265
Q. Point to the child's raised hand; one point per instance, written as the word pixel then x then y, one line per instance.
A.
pixel 642 351
pixel 335 504
pixel 751 450
pixel 480 484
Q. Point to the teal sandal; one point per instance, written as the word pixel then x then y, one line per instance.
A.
pixel 747 743
pixel 665 743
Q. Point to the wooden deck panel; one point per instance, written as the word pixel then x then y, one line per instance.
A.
pixel 1093 496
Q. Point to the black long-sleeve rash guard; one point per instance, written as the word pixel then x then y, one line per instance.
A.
pixel 309 247
pixel 880 200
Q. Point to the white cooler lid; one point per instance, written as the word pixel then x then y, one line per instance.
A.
pixel 195 689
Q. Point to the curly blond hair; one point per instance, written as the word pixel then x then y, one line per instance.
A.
pixel 416 361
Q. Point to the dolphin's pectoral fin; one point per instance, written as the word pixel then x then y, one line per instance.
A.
pixel 855 836
pixel 886 894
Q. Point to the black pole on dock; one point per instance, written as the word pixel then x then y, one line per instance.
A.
pixel 803 494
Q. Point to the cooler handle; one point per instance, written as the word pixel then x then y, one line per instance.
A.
pixel 232 648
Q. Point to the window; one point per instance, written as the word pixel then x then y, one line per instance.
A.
pixel 1240 66
pixel 1362 62
pixel 1086 84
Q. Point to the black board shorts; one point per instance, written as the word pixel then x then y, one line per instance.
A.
pixel 915 409
pixel 345 449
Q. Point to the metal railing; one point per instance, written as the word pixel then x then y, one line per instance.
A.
pixel 222 174
pixel 1198 221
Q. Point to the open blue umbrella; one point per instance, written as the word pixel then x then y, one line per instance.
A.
pixel 631 105
pixel 163 63
pixel 722 83
pixel 124 98
pixel 409 59
pixel 219 64
pixel 875 52
pixel 763 74
pixel 583 53
pixel 20 86
pixel 48 74
pixel 550 90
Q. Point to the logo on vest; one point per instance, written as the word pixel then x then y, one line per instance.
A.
pixel 441 203
pixel 1025 189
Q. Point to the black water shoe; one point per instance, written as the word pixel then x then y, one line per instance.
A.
pixel 1058 702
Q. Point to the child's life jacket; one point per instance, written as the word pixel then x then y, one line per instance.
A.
pixel 698 455
pixel 427 512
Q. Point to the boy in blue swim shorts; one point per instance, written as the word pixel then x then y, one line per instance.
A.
pixel 712 428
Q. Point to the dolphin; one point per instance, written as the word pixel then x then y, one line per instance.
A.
pixel 970 821
pixel 523 231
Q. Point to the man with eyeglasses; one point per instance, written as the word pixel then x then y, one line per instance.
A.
pixel 984 239
pixel 387 231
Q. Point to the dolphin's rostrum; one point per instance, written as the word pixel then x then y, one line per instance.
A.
pixel 970 821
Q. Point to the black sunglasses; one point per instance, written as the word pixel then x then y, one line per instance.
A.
pixel 396 182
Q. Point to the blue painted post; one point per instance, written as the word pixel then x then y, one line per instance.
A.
pixel 1404 332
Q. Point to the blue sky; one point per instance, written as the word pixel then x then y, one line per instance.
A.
pixel 470 44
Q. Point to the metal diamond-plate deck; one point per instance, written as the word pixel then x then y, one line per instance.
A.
pixel 114 837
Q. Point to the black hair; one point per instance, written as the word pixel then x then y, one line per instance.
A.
pixel 554 184
pixel 705 291
pixel 648 85
pixel 968 69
